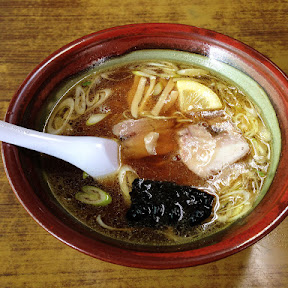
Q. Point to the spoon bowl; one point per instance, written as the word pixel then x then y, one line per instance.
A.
pixel 94 155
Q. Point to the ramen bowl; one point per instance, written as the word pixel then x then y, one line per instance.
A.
pixel 230 58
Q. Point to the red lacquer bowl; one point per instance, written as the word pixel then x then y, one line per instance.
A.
pixel 22 166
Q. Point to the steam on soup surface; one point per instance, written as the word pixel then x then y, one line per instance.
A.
pixel 194 152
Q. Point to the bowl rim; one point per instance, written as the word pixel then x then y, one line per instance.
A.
pixel 102 250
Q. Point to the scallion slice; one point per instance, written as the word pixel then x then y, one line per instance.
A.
pixel 95 118
pixel 93 196
pixel 87 83
pixel 85 175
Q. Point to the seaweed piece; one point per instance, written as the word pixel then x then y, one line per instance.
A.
pixel 159 204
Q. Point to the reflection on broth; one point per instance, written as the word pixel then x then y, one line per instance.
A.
pixel 194 152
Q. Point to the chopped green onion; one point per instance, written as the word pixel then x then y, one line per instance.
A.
pixel 261 173
pixel 142 74
pixel 85 175
pixel 192 72
pixel 95 118
pixel 93 196
pixel 87 83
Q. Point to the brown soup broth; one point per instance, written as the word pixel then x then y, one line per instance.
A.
pixel 65 181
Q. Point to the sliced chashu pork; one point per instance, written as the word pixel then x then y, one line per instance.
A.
pixel 206 153
pixel 146 137
pixel 131 127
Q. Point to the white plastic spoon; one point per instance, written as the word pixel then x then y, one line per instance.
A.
pixel 96 156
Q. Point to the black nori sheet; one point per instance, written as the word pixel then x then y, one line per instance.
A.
pixel 160 204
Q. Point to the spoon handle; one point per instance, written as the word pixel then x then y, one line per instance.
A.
pixel 26 138
pixel 91 154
